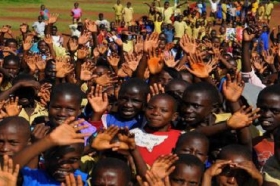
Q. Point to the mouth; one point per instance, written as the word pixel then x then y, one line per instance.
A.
pixel 60 174
pixel 127 111
pixel 60 120
pixel 188 118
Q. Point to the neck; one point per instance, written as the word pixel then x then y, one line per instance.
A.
pixel 157 129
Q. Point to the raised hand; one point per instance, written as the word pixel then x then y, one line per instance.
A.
pixel 11 107
pixel 233 87
pixel 48 39
pixel 73 45
pixel 106 79
pixel 62 67
pixel 91 26
pixel 155 89
pixel 268 57
pixel 39 132
pixel 126 140
pixel 31 62
pixel 139 45
pixel 188 44
pixel 217 168
pixel 131 61
pixel 97 99
pixel 53 18
pixel 113 60
pixel 70 180
pixel 82 53
pixel 251 169
pixel 40 64
pixel 151 42
pixel 163 166
pixel 103 139
pixel 83 39
pixel 155 63
pixel 243 118
pixel 87 70
pixel 44 94
pixel 102 49
pixel 27 44
pixel 170 61
pixel 198 67
pixel 152 180
pixel 8 172
pixel 66 133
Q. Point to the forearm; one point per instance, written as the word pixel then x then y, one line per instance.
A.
pixel 244 137
pixel 140 164
pixel 142 67
pixel 26 155
pixel 206 181
pixel 52 52
pixel 5 95
pixel 213 129
pixel 246 64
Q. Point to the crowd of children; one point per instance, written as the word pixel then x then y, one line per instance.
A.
pixel 185 95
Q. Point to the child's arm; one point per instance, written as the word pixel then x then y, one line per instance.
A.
pixel 65 134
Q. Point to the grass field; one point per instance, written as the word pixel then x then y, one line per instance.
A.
pixel 15 12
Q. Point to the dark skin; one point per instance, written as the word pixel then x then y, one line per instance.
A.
pixel 12 67
pixel 112 177
pixel 159 113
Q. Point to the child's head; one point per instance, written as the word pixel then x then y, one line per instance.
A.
pixel 12 44
pixel 63 160
pixel 14 135
pixel 161 111
pixel 76 4
pixel 177 87
pixel 194 143
pixel 128 4
pixel 132 98
pixel 43 7
pixel 236 154
pixel 188 171
pixel 167 74
pixel 269 103
pixel 50 70
pixel 12 64
pixel 65 102
pixel 43 47
pixel 111 171
pixel 199 101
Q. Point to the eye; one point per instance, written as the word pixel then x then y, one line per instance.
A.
pixel 196 105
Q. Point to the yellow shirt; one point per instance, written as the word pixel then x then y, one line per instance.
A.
pixel 268 8
pixel 127 14
pixel 157 27
pixel 255 6
pixel 166 13
pixel 261 11
pixel 179 28
pixel 127 47
pixel 8 86
pixel 188 30
pixel 38 111
pixel 195 32
pixel 118 9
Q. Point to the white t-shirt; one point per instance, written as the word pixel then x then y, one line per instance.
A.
pixel 39 27
pixel 104 22
pixel 214 5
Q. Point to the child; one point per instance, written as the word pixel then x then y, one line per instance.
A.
pixel 132 98
pixel 193 143
pixel 44 13
pixel 176 87
pixel 14 135
pixel 157 137
pixel 12 65
pixel 234 167
pixel 188 170
pixel 118 8
pixel 63 149
pixel 111 171
pixel 128 14
pixel 76 13
pixel 269 104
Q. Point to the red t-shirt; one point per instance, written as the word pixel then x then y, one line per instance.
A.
pixel 263 148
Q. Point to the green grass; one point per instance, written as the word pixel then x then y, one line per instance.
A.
pixel 14 12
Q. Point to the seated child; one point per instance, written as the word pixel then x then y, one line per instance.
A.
pixel 269 104
pixel 234 166
pixel 62 149
pixel 132 99
pixel 193 143
pixel 111 171
pixel 157 138
pixel 14 135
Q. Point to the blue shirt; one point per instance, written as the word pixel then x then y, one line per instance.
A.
pixel 264 38
pixel 169 35
pixel 37 177
pixel 114 119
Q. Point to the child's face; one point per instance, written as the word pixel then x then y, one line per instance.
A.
pixel 160 112
pixel 62 107
pixel 43 47
pixel 196 147
pixel 233 176
pixel 164 78
pixel 12 46
pixel 50 71
pixel 63 162
pixel 12 140
pixel 176 88
pixel 269 105
pixel 12 67
pixel 186 175
pixel 112 177
pixel 196 107
pixel 130 102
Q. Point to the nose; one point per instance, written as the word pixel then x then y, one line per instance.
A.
pixel 231 180
pixel 62 112
pixel 155 112
pixel 128 103
pixel 4 147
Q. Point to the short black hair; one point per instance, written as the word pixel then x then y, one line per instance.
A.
pixel 273 89
pixel 11 40
pixel 191 135
pixel 177 81
pixel 135 83
pixel 168 97
pixel 68 88
pixel 190 160
pixel 113 163
pixel 205 87
pixel 11 57
pixel 172 72
pixel 236 149
pixel 18 122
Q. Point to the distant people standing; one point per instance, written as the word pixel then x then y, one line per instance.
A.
pixel 118 8
pixel 268 10
pixel 128 14
pixel 76 13
pixel 44 13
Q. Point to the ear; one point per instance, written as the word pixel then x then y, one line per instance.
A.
pixel 175 116
pixel 29 141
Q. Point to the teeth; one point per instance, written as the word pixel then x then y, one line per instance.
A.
pixel 266 123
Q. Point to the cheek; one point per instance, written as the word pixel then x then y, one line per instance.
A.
pixel 75 165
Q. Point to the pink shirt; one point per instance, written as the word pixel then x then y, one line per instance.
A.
pixel 77 12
